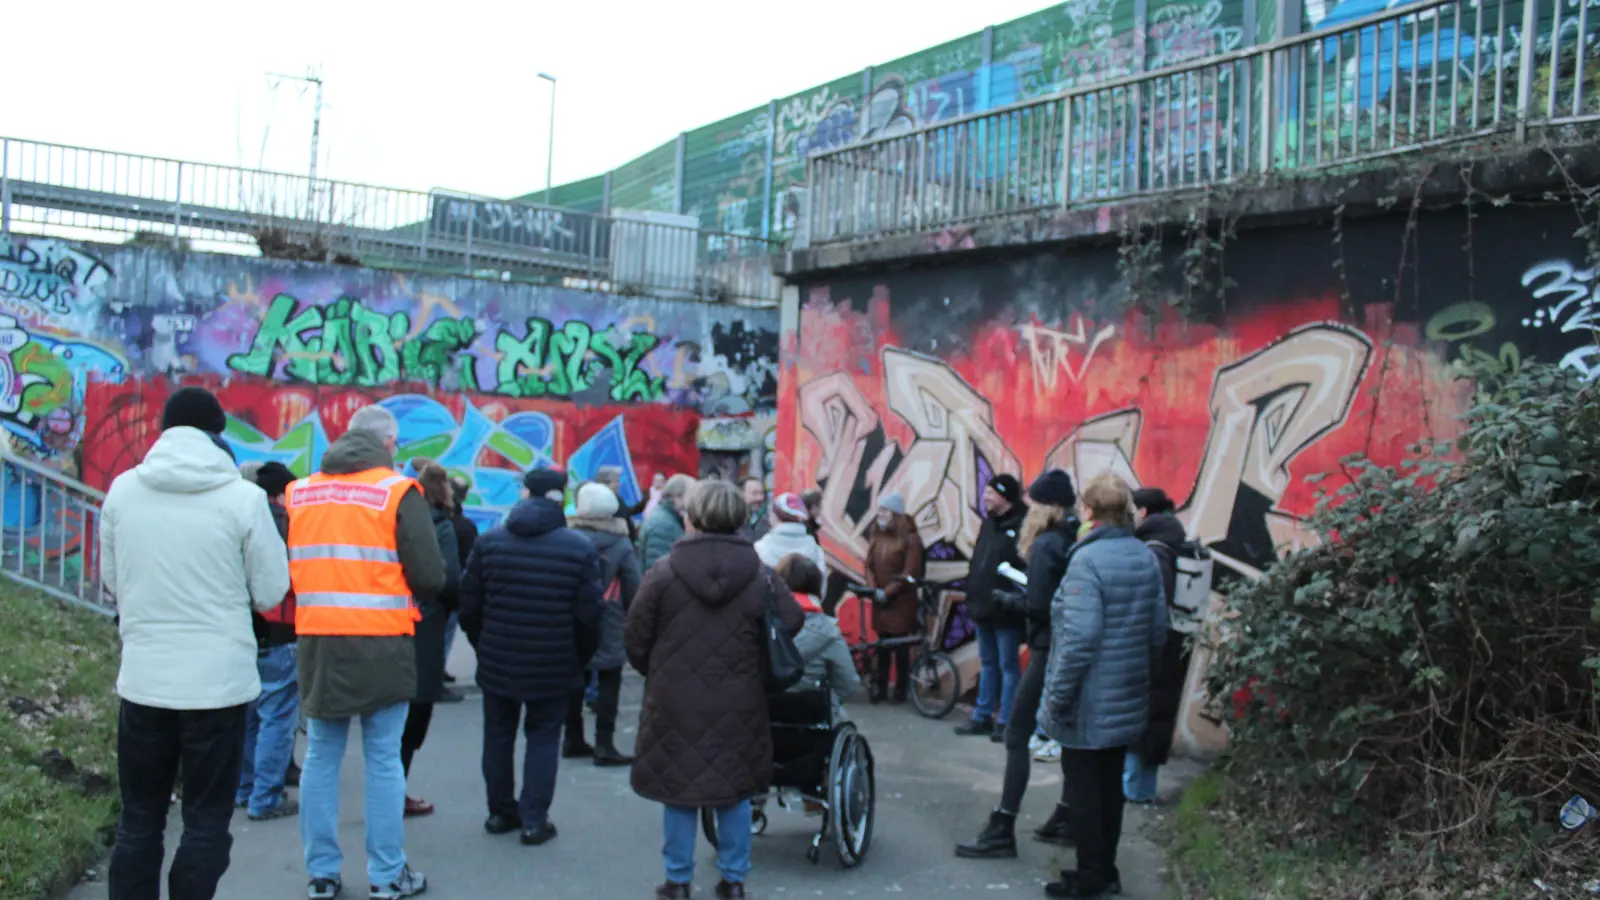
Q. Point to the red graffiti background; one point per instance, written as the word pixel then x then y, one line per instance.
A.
pixel 124 419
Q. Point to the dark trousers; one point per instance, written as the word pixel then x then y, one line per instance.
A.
pixel 1094 786
pixel 417 719
pixel 1024 713
pixel 901 656
pixel 542 729
pixel 605 708
pixel 151 743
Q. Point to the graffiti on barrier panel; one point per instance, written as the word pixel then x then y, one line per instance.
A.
pixel 1570 298
pixel 44 276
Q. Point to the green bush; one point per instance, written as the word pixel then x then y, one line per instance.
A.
pixel 1430 672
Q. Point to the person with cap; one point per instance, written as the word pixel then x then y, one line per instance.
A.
pixel 1048 534
pixel 531 606
pixel 1156 523
pixel 365 560
pixel 999 621
pixel 275 715
pixel 596 519
pixel 894 554
pixel 188 549
pixel 788 534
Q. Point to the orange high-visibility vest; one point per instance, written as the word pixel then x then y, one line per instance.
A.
pixel 344 562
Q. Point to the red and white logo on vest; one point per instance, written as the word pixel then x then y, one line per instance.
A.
pixel 339 492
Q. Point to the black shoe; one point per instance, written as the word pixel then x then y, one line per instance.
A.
pixel 606 755
pixel 876 697
pixel 976 727
pixel 449 679
pixel 451 695
pixel 1070 886
pixel 324 889
pixel 500 823
pixel 997 840
pixel 998 735
pixel 576 750
pixel 899 696
pixel 544 834
pixel 292 777
pixel 730 890
pixel 672 891
pixel 1057 829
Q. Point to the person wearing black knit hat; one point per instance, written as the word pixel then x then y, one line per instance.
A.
pixel 188 548
pixel 1046 539
pixel 531 604
pixel 996 607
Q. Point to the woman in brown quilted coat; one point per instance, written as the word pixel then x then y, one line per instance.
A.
pixel 894 553
pixel 695 632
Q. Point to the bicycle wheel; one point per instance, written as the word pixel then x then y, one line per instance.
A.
pixel 935 684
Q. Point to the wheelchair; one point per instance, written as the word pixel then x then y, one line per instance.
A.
pixel 819 761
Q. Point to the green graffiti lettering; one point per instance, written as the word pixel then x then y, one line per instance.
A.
pixel 281 335
pixel 629 382
pixel 569 349
pixel 430 355
pixel 526 353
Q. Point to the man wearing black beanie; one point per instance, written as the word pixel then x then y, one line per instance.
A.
pixel 999 625
pixel 189 549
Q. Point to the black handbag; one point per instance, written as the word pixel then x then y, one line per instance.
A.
pixel 782 666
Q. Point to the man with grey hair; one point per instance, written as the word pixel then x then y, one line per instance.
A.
pixel 363 557
pixel 664 526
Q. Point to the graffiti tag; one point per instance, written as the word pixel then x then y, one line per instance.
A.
pixel 1573 306
pixel 49 273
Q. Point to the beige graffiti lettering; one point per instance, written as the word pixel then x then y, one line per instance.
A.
pixel 937 474
pixel 1266 409
pixel 1105 443
pixel 1051 350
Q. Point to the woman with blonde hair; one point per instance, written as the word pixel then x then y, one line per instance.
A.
pixel 1045 540
pixel 1108 620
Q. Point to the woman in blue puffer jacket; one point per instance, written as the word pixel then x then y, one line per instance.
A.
pixel 1108 620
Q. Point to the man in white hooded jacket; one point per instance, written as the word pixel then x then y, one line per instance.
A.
pixel 788 534
pixel 188 548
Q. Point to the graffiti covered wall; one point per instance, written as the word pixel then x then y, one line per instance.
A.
pixel 927 382
pixel 91 336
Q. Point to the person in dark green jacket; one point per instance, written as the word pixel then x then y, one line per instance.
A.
pixel 664 526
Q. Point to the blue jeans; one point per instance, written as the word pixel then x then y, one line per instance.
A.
pixel 1139 779
pixel 451 625
pixel 680 826
pixel 1002 669
pixel 269 732
pixel 385 794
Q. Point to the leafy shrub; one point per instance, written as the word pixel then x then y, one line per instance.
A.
pixel 1430 672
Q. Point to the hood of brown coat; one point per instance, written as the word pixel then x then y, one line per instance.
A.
pixel 716 568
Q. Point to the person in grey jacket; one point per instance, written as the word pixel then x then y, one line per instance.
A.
pixel 597 520
pixel 664 525
pixel 819 641
pixel 1108 619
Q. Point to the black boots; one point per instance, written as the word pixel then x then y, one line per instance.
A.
pixel 976 728
pixel 606 754
pixel 576 748
pixel 1057 829
pixel 997 840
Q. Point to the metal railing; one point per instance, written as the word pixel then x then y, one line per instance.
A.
pixel 50 533
pixel 55 186
pixel 1424 74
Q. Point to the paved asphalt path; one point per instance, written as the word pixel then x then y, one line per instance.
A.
pixel 934 789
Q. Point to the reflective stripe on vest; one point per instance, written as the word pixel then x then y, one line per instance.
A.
pixel 344 561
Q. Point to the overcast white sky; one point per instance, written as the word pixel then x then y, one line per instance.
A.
pixel 437 95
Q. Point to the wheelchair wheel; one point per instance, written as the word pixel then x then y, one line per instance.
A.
pixel 852 796
pixel 935 684
pixel 708 823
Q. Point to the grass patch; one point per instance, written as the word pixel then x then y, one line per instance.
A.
pixel 1217 854
pixel 58 727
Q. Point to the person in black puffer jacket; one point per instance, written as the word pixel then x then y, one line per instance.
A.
pixel 1163 534
pixel 530 605
pixel 1000 620
pixel 1047 536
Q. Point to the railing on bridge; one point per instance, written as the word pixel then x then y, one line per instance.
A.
pixel 53 186
pixel 50 533
pixel 1425 74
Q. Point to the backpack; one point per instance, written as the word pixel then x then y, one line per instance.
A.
pixel 283 613
pixel 1191 593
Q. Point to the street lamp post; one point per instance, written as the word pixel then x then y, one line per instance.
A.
pixel 315 78
pixel 550 147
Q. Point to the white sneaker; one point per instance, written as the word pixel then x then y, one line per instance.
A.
pixel 1036 743
pixel 1050 752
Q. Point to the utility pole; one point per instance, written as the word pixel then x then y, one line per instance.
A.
pixel 550 146
pixel 313 77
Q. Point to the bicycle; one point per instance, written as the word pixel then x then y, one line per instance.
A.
pixel 935 680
